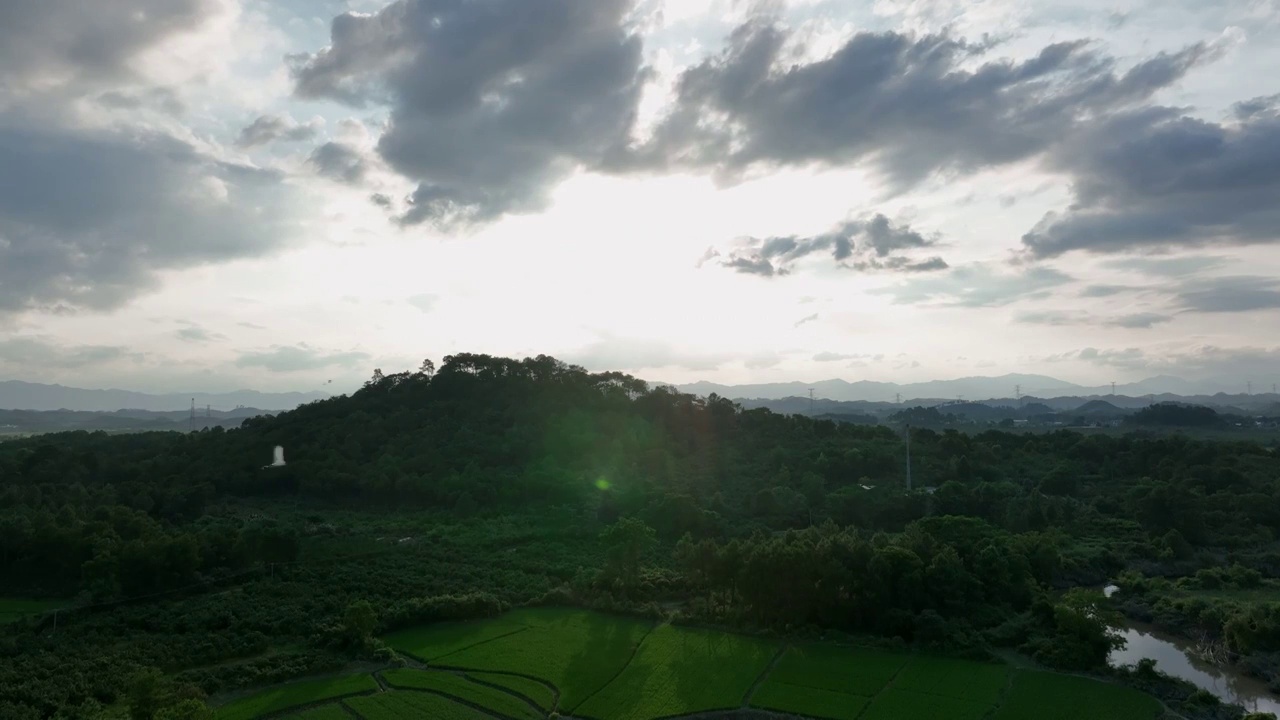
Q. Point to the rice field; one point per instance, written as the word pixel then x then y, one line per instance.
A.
pixel 1049 696
pixel 456 686
pixel 284 697
pixel 13 609
pixel 682 670
pixel 532 663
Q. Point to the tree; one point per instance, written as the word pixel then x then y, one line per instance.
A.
pixel 626 542
pixel 189 709
pixel 427 368
pixel 148 692
pixel 360 620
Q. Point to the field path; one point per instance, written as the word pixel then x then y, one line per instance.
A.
pixel 555 691
pixel 634 651
pixel 1004 693
pixel 764 675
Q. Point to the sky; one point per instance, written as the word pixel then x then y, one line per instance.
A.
pixel 206 195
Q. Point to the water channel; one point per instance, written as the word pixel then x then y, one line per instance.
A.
pixel 1174 656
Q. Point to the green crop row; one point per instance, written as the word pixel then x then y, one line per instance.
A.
pixel 856 671
pixel 1049 696
pixel 893 704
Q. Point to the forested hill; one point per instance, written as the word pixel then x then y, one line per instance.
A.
pixel 184 552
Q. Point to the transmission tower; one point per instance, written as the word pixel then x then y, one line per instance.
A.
pixel 908 458
pixel 897 398
pixel 1249 387
pixel 1113 388
pixel 193 414
pixel 811 402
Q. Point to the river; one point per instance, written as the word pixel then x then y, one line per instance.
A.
pixel 1173 657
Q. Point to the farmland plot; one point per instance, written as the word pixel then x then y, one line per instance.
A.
pixel 856 671
pixel 893 704
pixel 432 641
pixel 681 670
pixel 814 702
pixel 462 688
pixel 575 651
pixel 959 679
pixel 541 695
pixel 292 695
pixel 409 705
pixel 324 712
pixel 1048 696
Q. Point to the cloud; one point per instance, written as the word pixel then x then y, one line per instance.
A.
pixel 762 361
pixel 166 100
pixel 824 357
pixel 58 42
pixel 976 285
pixel 912 105
pixel 381 200
pixel 868 244
pixel 424 302
pixel 339 161
pixel 1230 294
pixel 491 104
pixel 610 352
pixel 25 352
pixel 1101 291
pixel 1228 366
pixel 1156 179
pixel 195 333
pixel 269 128
pixel 1168 267
pixel 301 357
pixel 87 218
pixel 1134 321
pixel 807 319
pixel 251 326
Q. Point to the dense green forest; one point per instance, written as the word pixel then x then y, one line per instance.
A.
pixel 180 563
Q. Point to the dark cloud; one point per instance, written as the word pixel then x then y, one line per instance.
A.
pixel 491 103
pixel 297 358
pixel 865 245
pixel 341 162
pixel 268 128
pixel 1256 107
pixel 1048 317
pixel 841 357
pixel 1228 367
pixel 912 105
pixel 381 200
pixel 1230 294
pixel 43 41
pixel 807 319
pixel 39 352
pixel 1157 179
pixel 86 219
pixel 976 285
pixel 251 326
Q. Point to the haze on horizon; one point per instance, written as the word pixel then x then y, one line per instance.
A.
pixel 284 194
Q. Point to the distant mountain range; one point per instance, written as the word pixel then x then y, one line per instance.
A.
pixel 970 388
pixel 17 395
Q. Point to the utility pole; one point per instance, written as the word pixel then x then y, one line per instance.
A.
pixel 193 414
pixel 897 398
pixel 810 402
pixel 1113 388
pixel 908 458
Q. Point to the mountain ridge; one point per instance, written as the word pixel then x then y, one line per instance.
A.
pixel 21 395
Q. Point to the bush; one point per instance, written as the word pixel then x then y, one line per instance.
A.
pixel 441 608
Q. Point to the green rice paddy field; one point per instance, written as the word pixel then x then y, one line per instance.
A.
pixel 531 663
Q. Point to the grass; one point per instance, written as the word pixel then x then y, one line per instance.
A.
pixel 785 697
pixel 894 704
pixel 957 679
pixel 464 689
pixel 577 652
pixel 13 609
pixel 540 694
pixel 411 706
pixel 679 671
pixel 283 697
pixel 433 641
pixel 1049 696
pixel 855 671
